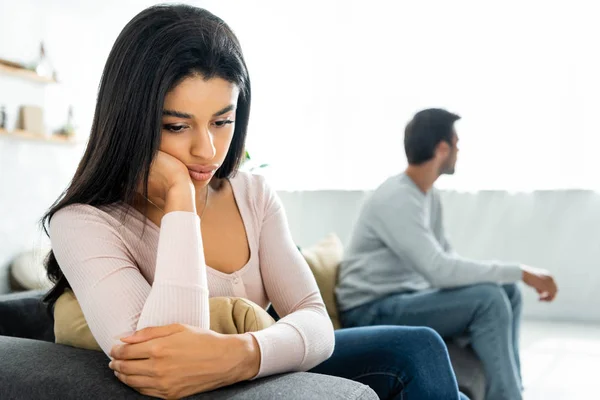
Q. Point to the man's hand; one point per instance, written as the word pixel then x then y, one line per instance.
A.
pixel 541 281
pixel 176 361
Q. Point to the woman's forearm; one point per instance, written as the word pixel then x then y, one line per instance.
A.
pixel 181 197
pixel 179 292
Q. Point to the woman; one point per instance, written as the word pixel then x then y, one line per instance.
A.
pixel 160 168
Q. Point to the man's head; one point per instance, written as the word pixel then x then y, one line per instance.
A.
pixel 430 137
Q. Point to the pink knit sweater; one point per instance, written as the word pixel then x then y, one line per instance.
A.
pixel 129 274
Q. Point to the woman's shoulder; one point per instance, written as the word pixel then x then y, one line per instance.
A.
pixel 255 187
pixel 76 211
pixel 248 179
pixel 77 214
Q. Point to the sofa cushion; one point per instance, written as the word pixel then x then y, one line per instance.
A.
pixel 228 315
pixel 27 270
pixel 324 260
pixel 33 369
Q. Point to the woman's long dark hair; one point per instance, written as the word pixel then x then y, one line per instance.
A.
pixel 157 49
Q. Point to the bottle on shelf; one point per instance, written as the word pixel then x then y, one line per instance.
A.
pixel 68 129
pixel 43 66
pixel 2 118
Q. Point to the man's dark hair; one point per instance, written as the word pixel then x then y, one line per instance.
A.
pixel 425 131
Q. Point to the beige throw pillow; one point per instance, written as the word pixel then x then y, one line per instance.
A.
pixel 228 315
pixel 324 259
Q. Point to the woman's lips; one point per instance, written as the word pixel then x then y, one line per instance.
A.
pixel 201 176
pixel 202 173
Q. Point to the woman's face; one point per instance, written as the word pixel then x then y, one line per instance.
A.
pixel 198 123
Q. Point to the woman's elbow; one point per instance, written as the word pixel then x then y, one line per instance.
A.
pixel 324 343
pixel 330 341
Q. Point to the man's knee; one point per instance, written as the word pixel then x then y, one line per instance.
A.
pixel 513 291
pixel 494 300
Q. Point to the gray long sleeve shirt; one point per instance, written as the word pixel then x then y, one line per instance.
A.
pixel 398 245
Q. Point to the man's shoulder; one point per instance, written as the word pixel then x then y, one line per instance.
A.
pixel 396 189
pixel 394 196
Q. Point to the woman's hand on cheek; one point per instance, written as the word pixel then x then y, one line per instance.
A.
pixel 166 173
pixel 175 361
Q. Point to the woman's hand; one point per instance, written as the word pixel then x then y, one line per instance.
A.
pixel 169 184
pixel 166 172
pixel 176 361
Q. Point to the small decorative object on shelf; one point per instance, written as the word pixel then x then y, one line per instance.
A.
pixel 3 118
pixel 30 127
pixel 31 119
pixel 43 66
pixel 68 130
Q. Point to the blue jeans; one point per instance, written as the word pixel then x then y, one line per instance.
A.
pixel 488 314
pixel 396 362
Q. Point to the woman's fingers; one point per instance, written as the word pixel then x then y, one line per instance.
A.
pixel 137 351
pixel 137 381
pixel 135 367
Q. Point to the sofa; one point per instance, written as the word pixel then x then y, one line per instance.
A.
pixel 34 367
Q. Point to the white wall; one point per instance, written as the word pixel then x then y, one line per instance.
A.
pixel 32 176
pixel 32 173
pixel 556 230
pixel 335 81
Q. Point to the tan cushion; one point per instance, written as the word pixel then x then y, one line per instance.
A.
pixel 70 326
pixel 324 259
pixel 232 315
pixel 228 315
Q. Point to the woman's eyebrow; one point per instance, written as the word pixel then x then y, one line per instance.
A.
pixel 178 114
pixel 224 110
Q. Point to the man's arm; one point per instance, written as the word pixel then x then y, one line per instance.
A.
pixel 539 279
pixel 401 226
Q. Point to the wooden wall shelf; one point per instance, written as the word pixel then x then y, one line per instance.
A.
pixel 20 134
pixel 24 73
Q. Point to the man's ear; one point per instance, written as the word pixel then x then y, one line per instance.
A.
pixel 442 150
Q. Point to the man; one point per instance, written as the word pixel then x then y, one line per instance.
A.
pixel 400 269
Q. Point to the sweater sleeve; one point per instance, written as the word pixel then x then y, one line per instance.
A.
pixel 114 296
pixel 304 337
pixel 401 226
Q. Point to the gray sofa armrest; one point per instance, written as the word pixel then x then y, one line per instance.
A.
pixel 32 369
pixel 23 315
pixel 468 369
